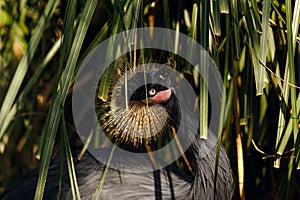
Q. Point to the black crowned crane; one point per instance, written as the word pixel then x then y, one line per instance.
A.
pixel 168 182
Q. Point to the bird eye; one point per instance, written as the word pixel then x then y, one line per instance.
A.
pixel 152 92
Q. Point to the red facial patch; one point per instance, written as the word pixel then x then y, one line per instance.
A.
pixel 160 97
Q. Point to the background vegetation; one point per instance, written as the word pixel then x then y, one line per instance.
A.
pixel 254 43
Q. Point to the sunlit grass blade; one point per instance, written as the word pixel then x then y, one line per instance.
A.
pixel 223 103
pixel 216 17
pixel 60 95
pixel 128 15
pixel 271 46
pixel 264 38
pixel 241 169
pixel 259 71
pixel 282 114
pixel 224 7
pixel 204 62
pixel 192 34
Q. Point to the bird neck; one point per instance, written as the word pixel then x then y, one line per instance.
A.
pixel 172 105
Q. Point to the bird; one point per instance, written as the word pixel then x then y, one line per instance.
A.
pixel 147 91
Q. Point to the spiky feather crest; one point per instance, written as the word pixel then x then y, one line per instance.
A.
pixel 137 123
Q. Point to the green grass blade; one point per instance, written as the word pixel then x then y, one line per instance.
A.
pixel 193 29
pixel 65 49
pixel 101 182
pixel 105 79
pixel 259 71
pixel 288 132
pixel 235 23
pixel 166 14
pixel 127 16
pixel 264 38
pixel 291 40
pixel 58 102
pixel 203 88
pixel 112 48
pixel 204 24
pixel 167 24
pixel 70 162
pixel 192 34
pixel 216 17
pixel 60 171
pixel 254 9
pixel 281 119
pixel 68 31
pixel 285 89
pixel 224 99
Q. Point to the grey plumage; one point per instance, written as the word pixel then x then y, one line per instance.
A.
pixel 165 183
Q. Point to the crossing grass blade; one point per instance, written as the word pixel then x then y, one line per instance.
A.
pixel 60 95
pixel 70 162
pixel 203 93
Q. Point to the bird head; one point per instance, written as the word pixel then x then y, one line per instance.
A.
pixel 140 106
pixel 150 87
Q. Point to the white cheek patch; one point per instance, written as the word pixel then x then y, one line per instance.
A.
pixel 161 97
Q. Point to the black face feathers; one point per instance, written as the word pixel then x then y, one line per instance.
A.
pixel 145 84
pixel 147 91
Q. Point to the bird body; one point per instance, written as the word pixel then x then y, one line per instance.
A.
pixel 167 182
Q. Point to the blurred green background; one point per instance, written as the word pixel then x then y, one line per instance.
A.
pixel 254 43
